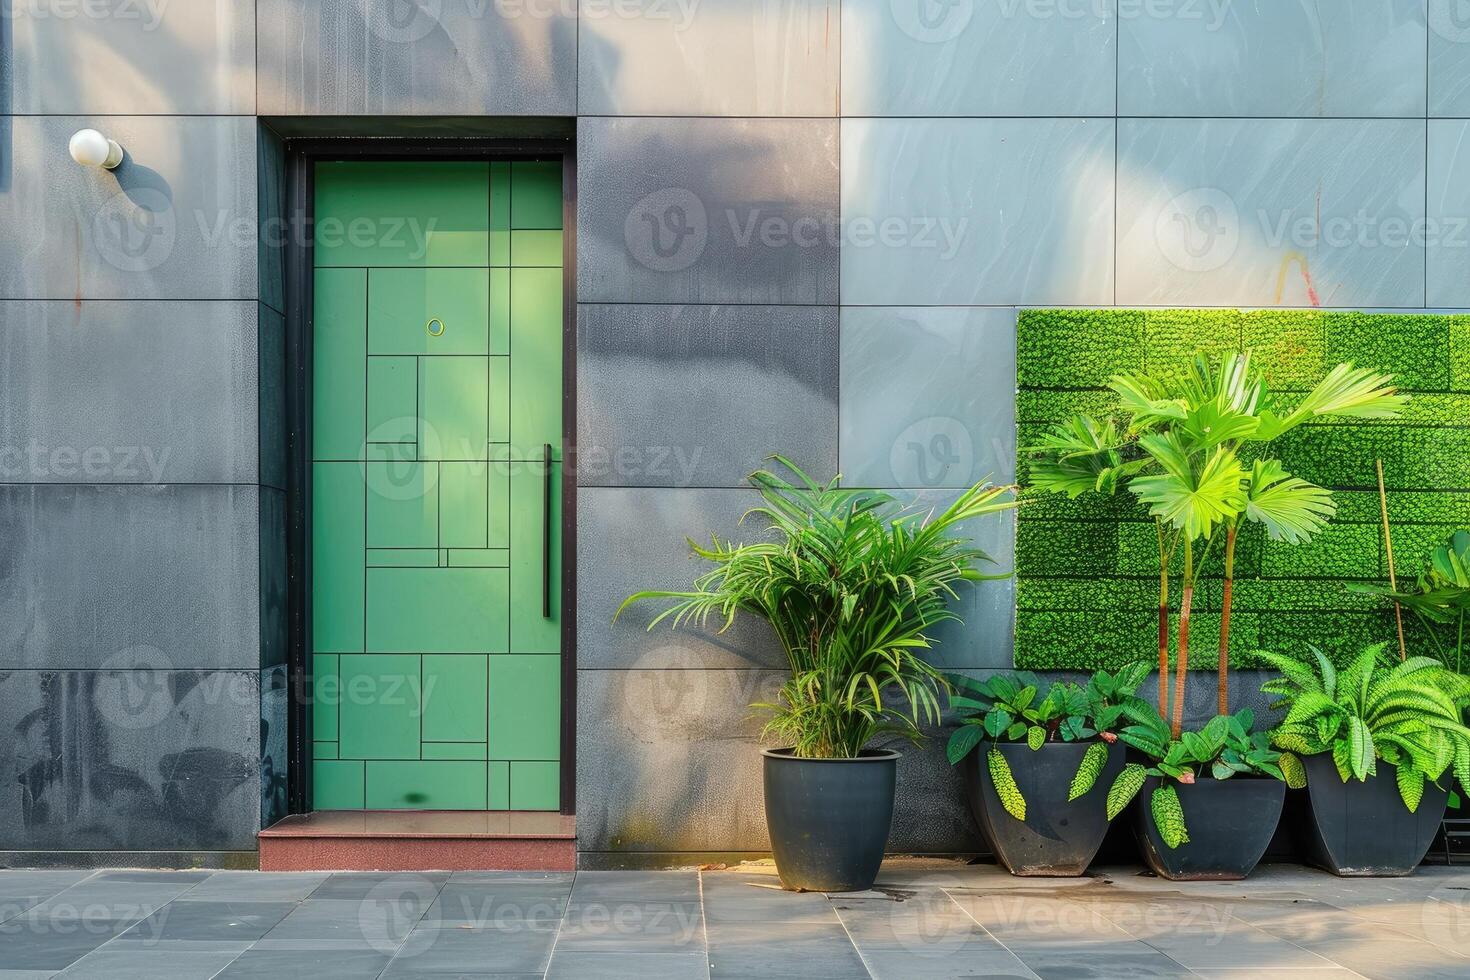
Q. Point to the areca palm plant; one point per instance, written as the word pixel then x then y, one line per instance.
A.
pixel 1183 454
pixel 853 583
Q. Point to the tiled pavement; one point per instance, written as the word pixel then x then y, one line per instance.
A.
pixel 926 919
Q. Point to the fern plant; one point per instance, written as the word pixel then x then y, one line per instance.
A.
pixel 1406 713
pixel 853 583
pixel 1012 708
pixel 1224 748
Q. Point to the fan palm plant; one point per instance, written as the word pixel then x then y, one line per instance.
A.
pixel 853 585
pixel 1182 454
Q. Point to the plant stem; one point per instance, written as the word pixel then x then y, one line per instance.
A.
pixel 1163 624
pixel 1182 663
pixel 1398 612
pixel 1224 674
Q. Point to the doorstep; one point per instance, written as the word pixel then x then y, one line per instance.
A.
pixel 420 840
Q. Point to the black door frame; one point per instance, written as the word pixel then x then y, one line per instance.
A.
pixel 302 154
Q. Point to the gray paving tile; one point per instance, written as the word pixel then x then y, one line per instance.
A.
pixel 566 965
pixel 51 942
pixel 1382 959
pixel 631 925
pixel 133 962
pixel 381 925
pixel 817 949
pixel 735 897
pixel 318 964
pixel 533 903
pixel 407 886
pixel 458 949
pixel 1103 961
pixel 257 886
pixel 211 921
pixel 22 890
pixel 959 963
pixel 636 886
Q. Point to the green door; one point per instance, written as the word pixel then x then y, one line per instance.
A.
pixel 436 486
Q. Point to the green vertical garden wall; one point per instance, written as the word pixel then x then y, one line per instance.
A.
pixel 1087 569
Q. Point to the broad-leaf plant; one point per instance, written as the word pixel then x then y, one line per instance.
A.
pixel 1194 450
pixel 1405 713
pixel 1224 748
pixel 853 582
pixel 1440 596
pixel 1021 707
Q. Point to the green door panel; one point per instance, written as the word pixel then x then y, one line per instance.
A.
pixel 500 214
pixel 336 557
pixel 402 505
pixel 535 786
pixel 535 363
pixel 326 696
pixel 392 399
pixel 437 610
pixel 429 311
pixel 535 194
pixel 525 707
pixel 339 347
pixel 454 406
pixel 402 214
pixel 437 381
pixel 426 786
pixel 464 505
pixel 379 713
pixel 531 631
pixel 337 785
pixel 454 698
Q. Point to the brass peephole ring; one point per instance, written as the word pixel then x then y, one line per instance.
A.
pixel 432 331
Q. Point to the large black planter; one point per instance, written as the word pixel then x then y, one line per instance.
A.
pixel 1363 830
pixel 829 818
pixel 1230 823
pixel 1058 838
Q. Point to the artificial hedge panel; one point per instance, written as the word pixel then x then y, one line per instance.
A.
pixel 1087 569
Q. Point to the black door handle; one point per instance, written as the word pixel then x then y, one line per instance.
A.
pixel 546 533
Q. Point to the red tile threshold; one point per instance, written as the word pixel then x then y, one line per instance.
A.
pixel 420 840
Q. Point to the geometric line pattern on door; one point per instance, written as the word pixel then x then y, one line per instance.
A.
pixel 436 407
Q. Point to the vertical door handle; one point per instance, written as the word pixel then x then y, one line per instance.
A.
pixel 546 533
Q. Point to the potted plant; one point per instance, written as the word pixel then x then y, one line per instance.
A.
pixel 853 582
pixel 1030 761
pixel 1377 740
pixel 1214 796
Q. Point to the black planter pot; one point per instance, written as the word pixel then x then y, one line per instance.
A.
pixel 1230 823
pixel 1058 838
pixel 1363 830
pixel 829 818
